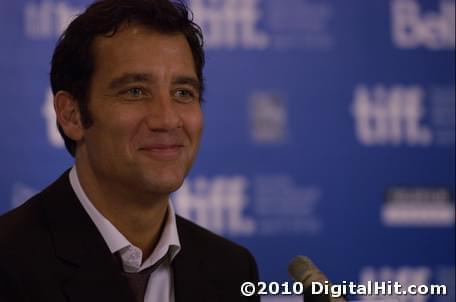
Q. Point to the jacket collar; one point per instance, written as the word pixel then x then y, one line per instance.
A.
pixel 191 281
pixel 92 273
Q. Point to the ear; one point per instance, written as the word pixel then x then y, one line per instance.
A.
pixel 68 115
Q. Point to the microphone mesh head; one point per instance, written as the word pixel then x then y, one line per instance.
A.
pixel 301 268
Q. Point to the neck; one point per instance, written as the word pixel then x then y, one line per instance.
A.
pixel 139 217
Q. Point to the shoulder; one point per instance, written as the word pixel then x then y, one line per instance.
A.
pixel 214 261
pixel 21 222
pixel 217 252
pixel 25 229
pixel 191 233
pixel 29 219
pixel 22 236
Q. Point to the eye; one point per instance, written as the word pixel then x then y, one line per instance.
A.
pixel 184 95
pixel 135 92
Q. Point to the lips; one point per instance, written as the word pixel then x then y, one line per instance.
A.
pixel 162 151
pixel 161 146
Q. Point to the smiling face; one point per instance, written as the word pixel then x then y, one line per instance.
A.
pixel 144 101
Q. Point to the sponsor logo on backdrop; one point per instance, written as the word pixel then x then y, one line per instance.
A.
pixel 442 114
pixel 47 19
pixel 404 115
pixel 216 203
pixel 390 115
pixel 20 193
pixel 268 118
pixel 227 24
pixel 413 26
pixel 300 24
pixel 282 206
pixel 409 275
pixel 223 205
pixel 48 113
pixel 264 24
pixel 230 23
pixel 418 206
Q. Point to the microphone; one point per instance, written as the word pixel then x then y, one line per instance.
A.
pixel 303 270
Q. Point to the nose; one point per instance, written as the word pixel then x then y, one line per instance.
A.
pixel 162 114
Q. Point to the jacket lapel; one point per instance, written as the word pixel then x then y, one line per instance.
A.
pixel 190 280
pixel 90 272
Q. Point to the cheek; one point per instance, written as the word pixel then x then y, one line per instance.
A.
pixel 128 128
pixel 194 123
pixel 116 128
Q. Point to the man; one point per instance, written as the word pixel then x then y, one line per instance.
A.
pixel 127 82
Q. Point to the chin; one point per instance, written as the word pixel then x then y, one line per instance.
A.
pixel 164 186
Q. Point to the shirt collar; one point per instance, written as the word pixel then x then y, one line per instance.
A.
pixel 116 241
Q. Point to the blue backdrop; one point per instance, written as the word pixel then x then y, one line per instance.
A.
pixel 330 131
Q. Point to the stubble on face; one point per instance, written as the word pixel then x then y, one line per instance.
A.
pixel 145 105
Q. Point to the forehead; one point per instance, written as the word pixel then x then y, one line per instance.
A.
pixel 139 47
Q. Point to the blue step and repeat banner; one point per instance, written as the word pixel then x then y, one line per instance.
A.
pixel 330 131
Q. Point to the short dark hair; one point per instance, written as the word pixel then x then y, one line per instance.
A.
pixel 73 59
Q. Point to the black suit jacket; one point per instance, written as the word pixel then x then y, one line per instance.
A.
pixel 51 251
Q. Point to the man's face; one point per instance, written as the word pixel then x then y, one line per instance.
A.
pixel 144 103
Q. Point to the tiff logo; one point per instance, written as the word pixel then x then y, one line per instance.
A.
pixel 406 276
pixel 48 113
pixel 217 204
pixel 47 19
pixel 390 115
pixel 230 23
pixel 412 28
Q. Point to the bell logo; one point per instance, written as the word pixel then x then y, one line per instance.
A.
pixel 412 28
pixel 390 116
pixel 230 23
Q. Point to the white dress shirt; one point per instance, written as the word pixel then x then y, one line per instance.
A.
pixel 160 287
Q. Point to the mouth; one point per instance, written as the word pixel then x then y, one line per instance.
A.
pixel 162 151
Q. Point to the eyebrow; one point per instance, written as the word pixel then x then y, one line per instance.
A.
pixel 188 80
pixel 128 78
